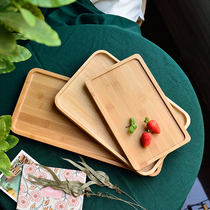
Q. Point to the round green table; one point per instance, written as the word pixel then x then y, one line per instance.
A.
pixel 83 30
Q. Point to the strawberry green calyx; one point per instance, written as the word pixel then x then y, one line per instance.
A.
pixel 146 120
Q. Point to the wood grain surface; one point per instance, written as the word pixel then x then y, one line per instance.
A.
pixel 36 117
pixel 77 104
pixel 128 89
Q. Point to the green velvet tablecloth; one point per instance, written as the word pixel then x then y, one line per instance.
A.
pixel 84 30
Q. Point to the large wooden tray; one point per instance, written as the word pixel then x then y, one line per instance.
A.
pixel 36 117
pixel 72 97
pixel 128 89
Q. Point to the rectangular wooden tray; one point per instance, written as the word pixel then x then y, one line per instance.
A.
pixel 76 103
pixel 128 89
pixel 72 97
pixel 36 117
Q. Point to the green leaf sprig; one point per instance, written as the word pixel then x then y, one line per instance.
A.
pixel 132 126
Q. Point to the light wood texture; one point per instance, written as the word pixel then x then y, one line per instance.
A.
pixel 128 89
pixel 77 104
pixel 36 117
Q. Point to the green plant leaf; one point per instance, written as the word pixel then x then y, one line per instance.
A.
pixel 5 172
pixel 3 65
pixel 134 126
pixel 4 162
pixel 28 17
pixel 50 3
pixel 41 32
pixel 34 10
pixel 10 67
pixel 12 141
pixel 4 4
pixel 8 122
pixel 132 121
pixel 4 146
pixel 2 129
pixel 11 9
pixel 131 129
pixel 24 54
pixel 19 36
pixel 7 42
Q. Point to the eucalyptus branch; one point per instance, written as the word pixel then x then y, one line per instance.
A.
pixel 102 179
pixel 76 188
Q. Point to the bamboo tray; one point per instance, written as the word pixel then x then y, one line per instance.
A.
pixel 128 89
pixel 36 117
pixel 72 97
pixel 76 103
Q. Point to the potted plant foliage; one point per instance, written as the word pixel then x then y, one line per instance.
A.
pixel 21 20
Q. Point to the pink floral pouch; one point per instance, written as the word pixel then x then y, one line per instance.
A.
pixel 32 196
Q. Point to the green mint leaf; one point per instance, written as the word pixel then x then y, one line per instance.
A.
pixel 132 121
pixel 134 126
pixel 131 129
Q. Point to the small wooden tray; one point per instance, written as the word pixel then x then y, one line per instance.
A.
pixel 128 89
pixel 76 103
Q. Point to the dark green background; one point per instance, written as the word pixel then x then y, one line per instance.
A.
pixel 83 30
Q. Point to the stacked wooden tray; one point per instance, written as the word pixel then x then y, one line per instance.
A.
pixel 88 113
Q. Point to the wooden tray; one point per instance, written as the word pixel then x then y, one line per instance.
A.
pixel 76 103
pixel 72 97
pixel 36 117
pixel 128 89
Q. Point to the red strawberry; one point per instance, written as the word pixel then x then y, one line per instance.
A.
pixel 146 139
pixel 152 125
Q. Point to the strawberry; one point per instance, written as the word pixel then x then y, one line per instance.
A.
pixel 146 139
pixel 152 125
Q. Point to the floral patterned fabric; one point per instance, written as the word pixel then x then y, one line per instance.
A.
pixel 34 197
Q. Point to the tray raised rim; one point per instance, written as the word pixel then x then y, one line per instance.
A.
pixel 131 158
pixel 22 132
